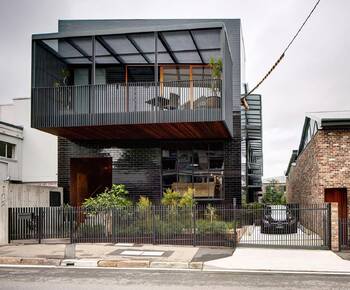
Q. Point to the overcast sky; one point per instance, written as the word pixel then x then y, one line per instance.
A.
pixel 314 75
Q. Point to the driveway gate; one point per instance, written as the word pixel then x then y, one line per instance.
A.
pixel 289 226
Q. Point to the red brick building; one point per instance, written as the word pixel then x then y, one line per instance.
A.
pixel 320 170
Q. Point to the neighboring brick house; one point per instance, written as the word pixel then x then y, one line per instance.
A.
pixel 320 170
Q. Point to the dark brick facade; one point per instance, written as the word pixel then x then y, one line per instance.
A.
pixel 137 164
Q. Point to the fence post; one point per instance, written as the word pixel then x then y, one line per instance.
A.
pixel 113 226
pixel 234 223
pixel 329 226
pixel 40 220
pixel 70 214
pixel 194 224
pixel 153 225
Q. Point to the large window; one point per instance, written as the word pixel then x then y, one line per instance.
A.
pixel 198 166
pixel 7 149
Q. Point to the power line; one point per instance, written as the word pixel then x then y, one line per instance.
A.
pixel 282 55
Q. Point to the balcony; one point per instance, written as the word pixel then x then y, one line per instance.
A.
pixel 150 83
pixel 174 109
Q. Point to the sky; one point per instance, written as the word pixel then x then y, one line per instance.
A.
pixel 313 76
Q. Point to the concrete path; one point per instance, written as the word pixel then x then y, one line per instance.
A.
pixel 262 259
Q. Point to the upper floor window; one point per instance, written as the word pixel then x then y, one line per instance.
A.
pixel 7 150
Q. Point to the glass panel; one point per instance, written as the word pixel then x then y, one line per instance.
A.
pixel 206 55
pixel 176 73
pixel 207 39
pixel 105 59
pixel 137 58
pixel 81 76
pixel 53 43
pixel 201 73
pixel 190 166
pixel 115 74
pixel 100 76
pixel 120 44
pixel 145 42
pixel 140 73
pixel 201 186
pixel 2 149
pixel 80 60
pixel 10 150
pixel 187 57
pixel 179 40
pixel 85 43
pixel 66 50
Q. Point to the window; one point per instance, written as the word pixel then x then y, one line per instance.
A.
pixel 198 166
pixel 7 149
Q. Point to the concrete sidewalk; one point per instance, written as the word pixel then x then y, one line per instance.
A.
pixel 294 260
pixel 174 257
pixel 110 255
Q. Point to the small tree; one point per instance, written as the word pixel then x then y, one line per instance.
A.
pixel 273 194
pixel 174 198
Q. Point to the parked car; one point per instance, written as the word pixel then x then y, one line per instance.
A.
pixel 278 219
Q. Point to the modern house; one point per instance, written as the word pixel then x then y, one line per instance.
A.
pixel 136 102
pixel 319 171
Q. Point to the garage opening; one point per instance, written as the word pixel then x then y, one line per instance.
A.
pixel 89 177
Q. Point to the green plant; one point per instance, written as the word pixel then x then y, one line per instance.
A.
pixel 171 197
pixel 216 67
pixel 114 197
pixel 210 213
pixel 273 194
pixel 144 203
pixel 214 227
pixel 187 199
pixel 64 74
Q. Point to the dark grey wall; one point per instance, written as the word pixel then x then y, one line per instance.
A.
pixel 138 165
pixel 46 67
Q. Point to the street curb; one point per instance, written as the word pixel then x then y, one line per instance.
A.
pixel 29 261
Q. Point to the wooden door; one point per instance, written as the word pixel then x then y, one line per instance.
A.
pixel 338 195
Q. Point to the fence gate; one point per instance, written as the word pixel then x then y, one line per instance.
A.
pixel 289 226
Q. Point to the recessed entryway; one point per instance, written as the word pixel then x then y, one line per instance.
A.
pixel 89 177
pixel 338 195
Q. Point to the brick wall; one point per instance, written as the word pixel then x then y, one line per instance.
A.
pixel 324 163
pixel 137 164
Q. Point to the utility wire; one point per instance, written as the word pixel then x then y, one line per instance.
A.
pixel 282 55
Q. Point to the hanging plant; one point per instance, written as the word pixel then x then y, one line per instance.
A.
pixel 216 72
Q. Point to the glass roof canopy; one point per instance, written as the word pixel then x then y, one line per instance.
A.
pixel 192 46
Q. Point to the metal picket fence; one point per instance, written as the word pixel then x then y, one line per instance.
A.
pixel 297 226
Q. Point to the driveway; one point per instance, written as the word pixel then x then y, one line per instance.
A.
pixel 281 260
pixel 301 238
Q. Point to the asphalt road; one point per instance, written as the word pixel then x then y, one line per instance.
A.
pixel 63 278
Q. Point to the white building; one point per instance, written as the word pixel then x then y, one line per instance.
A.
pixel 34 153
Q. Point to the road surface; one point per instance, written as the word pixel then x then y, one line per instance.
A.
pixel 70 278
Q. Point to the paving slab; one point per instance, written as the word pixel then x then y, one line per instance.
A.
pixel 281 260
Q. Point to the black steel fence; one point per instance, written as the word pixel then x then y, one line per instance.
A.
pixel 154 225
pixel 291 225
pixel 344 233
pixel 262 225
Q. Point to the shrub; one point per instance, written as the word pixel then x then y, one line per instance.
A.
pixel 215 227
pixel 144 203
pixel 171 197
pixel 114 197
pixel 187 198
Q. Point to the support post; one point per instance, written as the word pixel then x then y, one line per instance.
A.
pixel 193 211
pixel 334 230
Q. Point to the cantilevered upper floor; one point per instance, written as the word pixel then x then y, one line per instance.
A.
pixel 137 79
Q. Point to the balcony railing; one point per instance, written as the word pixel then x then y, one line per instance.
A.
pixel 127 103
